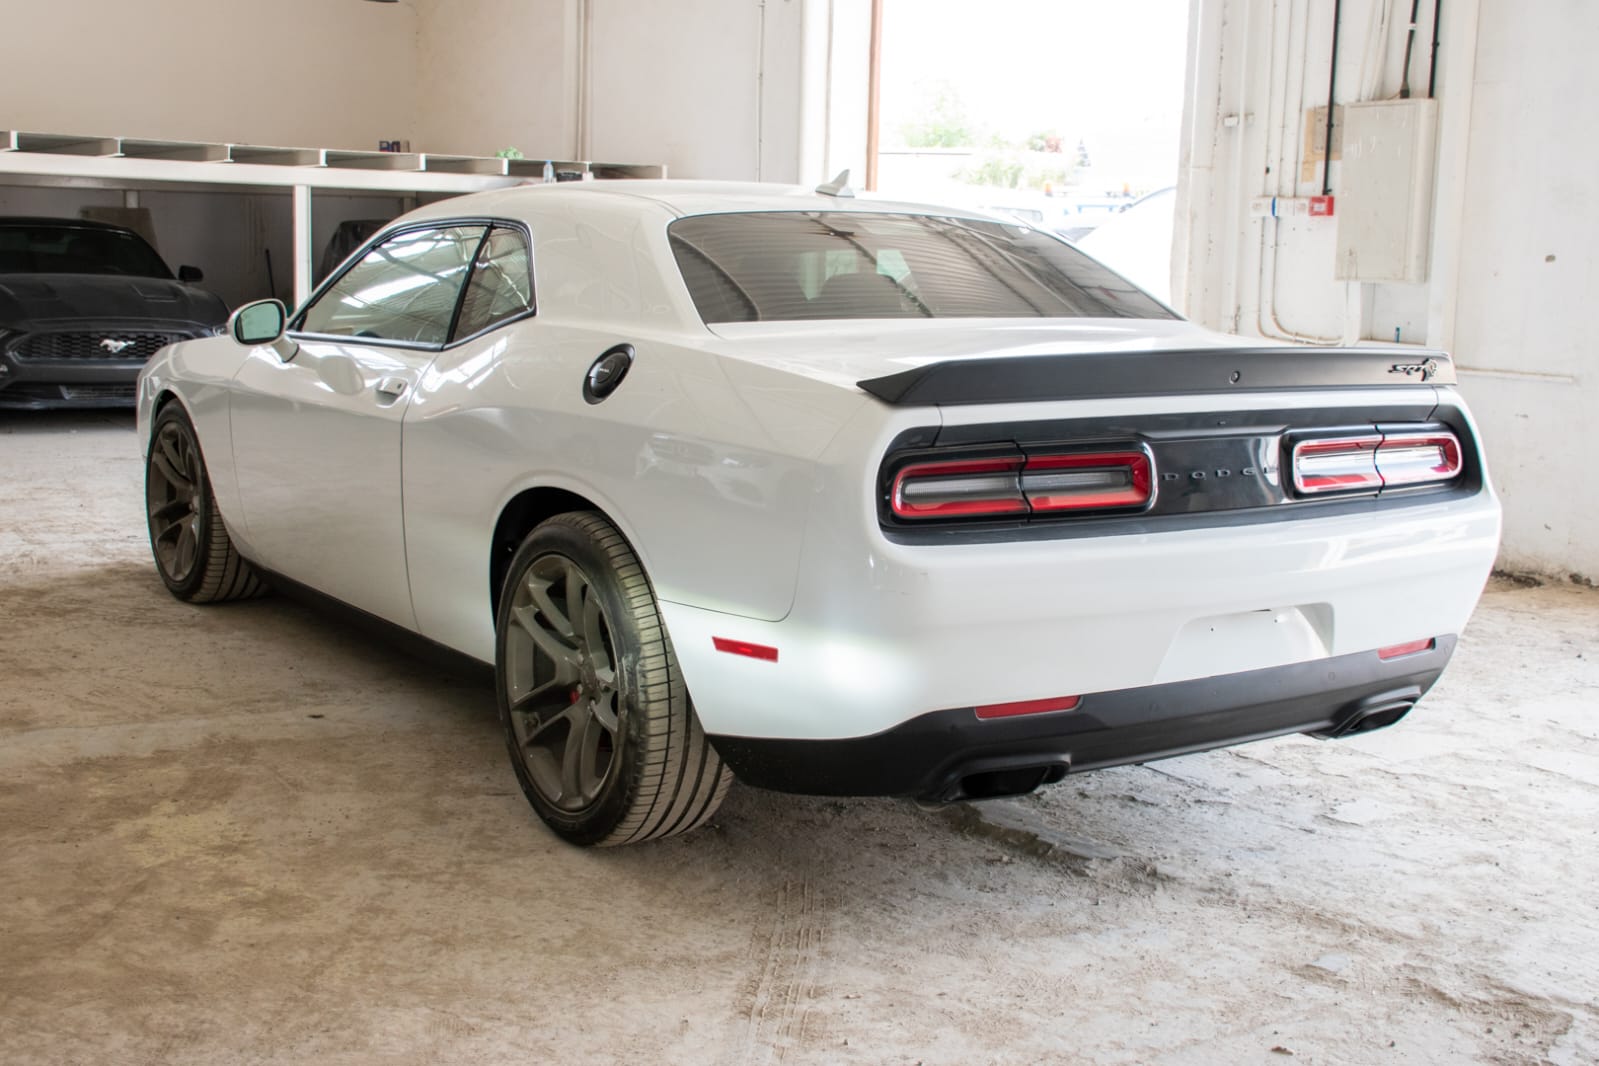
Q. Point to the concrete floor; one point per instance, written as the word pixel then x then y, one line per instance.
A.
pixel 253 834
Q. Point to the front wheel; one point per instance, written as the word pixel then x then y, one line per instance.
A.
pixel 602 735
pixel 192 549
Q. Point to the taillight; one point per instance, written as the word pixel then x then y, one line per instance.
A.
pixel 1417 458
pixel 1368 462
pixel 1340 464
pixel 1087 482
pixel 959 489
pixel 1019 485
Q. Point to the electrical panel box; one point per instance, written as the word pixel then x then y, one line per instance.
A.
pixel 1385 191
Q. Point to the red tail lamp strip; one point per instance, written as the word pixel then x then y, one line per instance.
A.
pixel 1398 651
pixel 1017 485
pixel 744 647
pixel 1376 461
pixel 1132 467
pixel 1338 465
pixel 1008 710
pixel 1416 458
pixel 961 487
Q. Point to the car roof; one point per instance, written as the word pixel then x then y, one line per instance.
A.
pixel 40 220
pixel 678 198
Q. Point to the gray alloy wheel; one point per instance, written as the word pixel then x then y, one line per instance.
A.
pixel 601 733
pixel 193 552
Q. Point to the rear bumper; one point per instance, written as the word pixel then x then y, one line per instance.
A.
pixel 952 754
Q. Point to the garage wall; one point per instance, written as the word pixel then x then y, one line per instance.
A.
pixel 710 87
pixel 333 73
pixel 721 89
pixel 1511 256
pixel 492 74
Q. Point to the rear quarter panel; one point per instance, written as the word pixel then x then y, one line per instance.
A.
pixel 706 465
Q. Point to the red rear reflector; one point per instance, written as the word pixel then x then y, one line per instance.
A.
pixel 1398 650
pixel 1005 710
pixel 744 647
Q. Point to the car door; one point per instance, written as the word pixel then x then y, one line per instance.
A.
pixel 316 437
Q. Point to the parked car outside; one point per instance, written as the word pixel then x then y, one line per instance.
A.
pixel 1137 242
pixel 832 496
pixel 83 305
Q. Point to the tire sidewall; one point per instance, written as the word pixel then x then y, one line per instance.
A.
pixel 595 822
pixel 174 414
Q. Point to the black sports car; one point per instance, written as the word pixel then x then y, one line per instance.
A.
pixel 83 305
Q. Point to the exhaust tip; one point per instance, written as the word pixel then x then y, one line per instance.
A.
pixel 1373 712
pixel 996 778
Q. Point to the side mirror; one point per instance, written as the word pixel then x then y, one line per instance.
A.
pixel 263 322
pixel 190 274
pixel 259 323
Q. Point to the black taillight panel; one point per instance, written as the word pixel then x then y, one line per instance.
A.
pixel 1201 469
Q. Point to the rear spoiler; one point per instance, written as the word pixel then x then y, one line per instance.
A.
pixel 1096 375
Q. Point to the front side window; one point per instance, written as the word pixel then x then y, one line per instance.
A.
pixel 404 289
pixel 502 283
pixel 790 265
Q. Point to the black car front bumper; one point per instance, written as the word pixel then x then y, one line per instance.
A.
pixel 66 366
pixel 953 755
pixel 41 386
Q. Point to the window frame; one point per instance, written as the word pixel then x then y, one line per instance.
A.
pixel 489 223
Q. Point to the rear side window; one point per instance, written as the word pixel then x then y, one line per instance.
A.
pixel 502 283
pixel 791 265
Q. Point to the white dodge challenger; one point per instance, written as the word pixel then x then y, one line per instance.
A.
pixel 833 496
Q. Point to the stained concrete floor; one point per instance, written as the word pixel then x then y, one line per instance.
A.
pixel 256 834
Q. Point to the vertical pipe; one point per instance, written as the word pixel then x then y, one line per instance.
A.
pixel 1432 75
pixel 760 88
pixel 1332 88
pixel 874 95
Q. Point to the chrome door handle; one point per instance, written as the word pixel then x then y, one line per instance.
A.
pixel 393 388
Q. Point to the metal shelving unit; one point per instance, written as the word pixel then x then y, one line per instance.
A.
pixel 134 164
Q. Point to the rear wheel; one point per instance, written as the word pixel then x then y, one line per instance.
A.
pixel 193 552
pixel 602 735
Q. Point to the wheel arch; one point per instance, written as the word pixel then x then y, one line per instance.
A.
pixel 518 518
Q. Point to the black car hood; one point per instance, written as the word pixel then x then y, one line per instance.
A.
pixel 29 300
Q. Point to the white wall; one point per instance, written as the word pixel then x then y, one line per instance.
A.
pixel 493 74
pixel 1512 257
pixel 724 89
pixel 333 73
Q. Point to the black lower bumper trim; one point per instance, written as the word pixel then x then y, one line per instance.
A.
pixel 949 755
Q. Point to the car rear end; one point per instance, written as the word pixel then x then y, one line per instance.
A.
pixel 1008 592
pixel 1051 545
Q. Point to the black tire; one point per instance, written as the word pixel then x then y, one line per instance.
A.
pixel 193 552
pixel 603 738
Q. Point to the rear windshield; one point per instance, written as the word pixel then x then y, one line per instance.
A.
pixel 47 248
pixel 789 265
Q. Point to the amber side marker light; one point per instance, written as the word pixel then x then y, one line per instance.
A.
pixel 744 647
pixel 1008 710
pixel 1399 651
